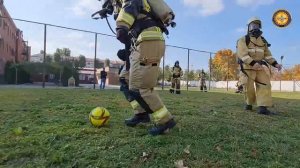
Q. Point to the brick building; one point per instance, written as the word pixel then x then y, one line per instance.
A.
pixel 12 46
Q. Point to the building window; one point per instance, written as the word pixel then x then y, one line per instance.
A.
pixel 1 42
pixel 81 77
pixel 4 25
pixel 52 76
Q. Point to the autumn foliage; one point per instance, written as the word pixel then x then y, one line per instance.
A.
pixel 224 65
pixel 291 73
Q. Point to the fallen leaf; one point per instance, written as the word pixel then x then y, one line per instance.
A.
pixel 218 148
pixel 18 131
pixel 144 157
pixel 254 153
pixel 144 154
pixel 187 149
pixel 179 164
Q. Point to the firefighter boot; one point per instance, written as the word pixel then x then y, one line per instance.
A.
pixel 171 91
pixel 248 107
pixel 137 118
pixel 160 129
pixel 263 110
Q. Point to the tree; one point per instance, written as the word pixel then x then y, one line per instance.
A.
pixel 57 57
pixel 296 71
pixel 66 52
pixel 48 58
pixel 189 75
pixel 291 73
pixel 99 64
pixel 197 74
pixel 81 61
pixel 224 65
pixel 167 73
pixel 106 62
pixel 61 53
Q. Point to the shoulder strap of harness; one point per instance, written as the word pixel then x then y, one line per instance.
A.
pixel 247 39
pixel 265 41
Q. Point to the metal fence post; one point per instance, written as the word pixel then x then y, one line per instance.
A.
pixel 209 82
pixel 188 71
pixel 227 71
pixel 294 85
pixel 45 48
pixel 96 40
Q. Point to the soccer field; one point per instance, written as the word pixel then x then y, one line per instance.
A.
pixel 50 128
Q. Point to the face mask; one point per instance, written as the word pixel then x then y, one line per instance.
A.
pixel 254 30
pixel 254 26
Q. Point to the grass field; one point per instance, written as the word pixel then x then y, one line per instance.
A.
pixel 50 128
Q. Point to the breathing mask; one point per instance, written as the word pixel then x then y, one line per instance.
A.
pixel 254 29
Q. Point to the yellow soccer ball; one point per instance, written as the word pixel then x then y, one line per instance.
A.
pixel 99 116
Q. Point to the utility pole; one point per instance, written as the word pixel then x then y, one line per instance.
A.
pixel 227 70
pixel 95 57
pixel 188 71
pixel 44 60
pixel 210 60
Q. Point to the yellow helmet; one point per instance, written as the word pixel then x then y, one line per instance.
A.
pixel 254 19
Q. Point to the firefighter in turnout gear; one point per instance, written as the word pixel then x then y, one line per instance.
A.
pixel 254 58
pixel 141 33
pixel 202 77
pixel 176 75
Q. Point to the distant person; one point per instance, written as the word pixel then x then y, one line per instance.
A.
pixel 176 75
pixel 103 75
pixel 203 87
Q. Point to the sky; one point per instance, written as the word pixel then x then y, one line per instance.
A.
pixel 208 25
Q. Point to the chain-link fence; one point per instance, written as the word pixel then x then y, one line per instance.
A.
pixel 62 45
pixel 62 55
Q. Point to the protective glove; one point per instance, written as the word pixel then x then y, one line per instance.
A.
pixel 257 67
pixel 278 66
pixel 103 13
pixel 123 54
pixel 123 36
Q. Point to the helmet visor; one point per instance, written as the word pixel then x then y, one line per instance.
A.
pixel 254 26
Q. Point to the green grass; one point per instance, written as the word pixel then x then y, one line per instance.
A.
pixel 50 128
